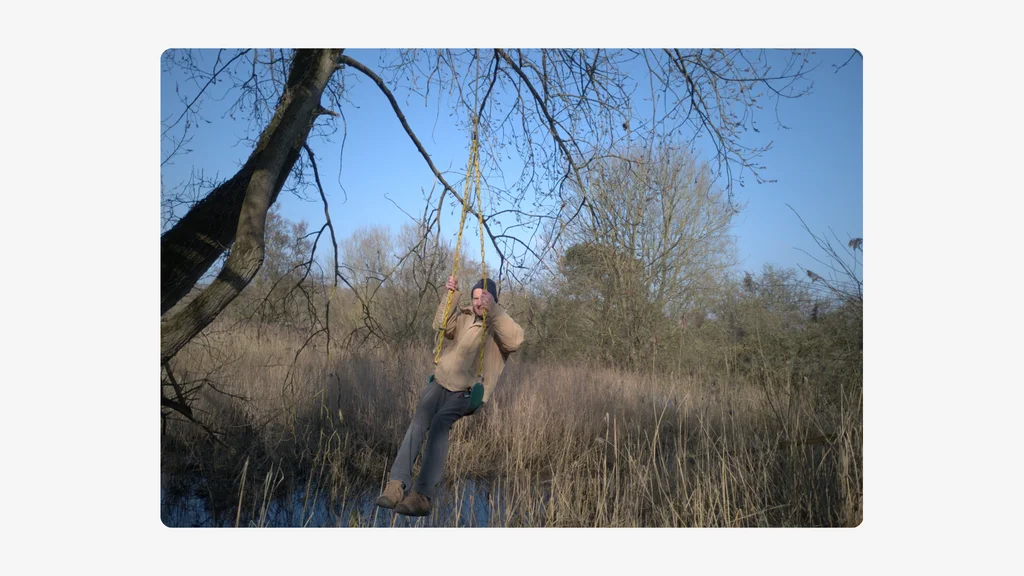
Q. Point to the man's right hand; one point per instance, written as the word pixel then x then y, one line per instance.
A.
pixel 452 285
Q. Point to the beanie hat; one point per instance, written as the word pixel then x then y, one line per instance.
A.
pixel 491 287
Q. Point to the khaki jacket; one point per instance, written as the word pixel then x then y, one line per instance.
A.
pixel 457 368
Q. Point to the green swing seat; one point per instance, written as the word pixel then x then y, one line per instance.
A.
pixel 476 395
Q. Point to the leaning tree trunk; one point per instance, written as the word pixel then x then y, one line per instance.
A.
pixel 237 210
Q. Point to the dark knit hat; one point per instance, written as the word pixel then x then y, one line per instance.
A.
pixel 491 287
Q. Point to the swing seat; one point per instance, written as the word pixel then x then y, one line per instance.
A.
pixel 476 395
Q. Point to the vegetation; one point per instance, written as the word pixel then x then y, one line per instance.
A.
pixel 655 387
pixel 747 413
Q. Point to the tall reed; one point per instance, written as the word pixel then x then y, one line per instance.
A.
pixel 307 441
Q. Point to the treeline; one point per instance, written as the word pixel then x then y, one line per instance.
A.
pixel 641 280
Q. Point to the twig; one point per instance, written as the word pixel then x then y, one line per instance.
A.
pixel 346 60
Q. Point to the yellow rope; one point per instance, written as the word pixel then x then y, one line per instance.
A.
pixel 472 179
pixel 458 244
pixel 483 269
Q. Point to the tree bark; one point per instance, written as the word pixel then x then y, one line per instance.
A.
pixel 236 211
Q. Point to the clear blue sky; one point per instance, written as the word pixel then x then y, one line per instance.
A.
pixel 817 164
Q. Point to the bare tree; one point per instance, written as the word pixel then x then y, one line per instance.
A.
pixel 560 110
pixel 235 213
pixel 557 110
pixel 842 268
pixel 276 294
pixel 658 228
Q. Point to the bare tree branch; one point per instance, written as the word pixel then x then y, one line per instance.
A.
pixel 405 124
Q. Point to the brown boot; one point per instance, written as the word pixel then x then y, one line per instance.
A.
pixel 415 504
pixel 393 494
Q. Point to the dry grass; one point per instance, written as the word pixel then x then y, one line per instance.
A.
pixel 308 442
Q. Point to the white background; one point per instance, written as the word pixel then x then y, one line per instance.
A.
pixel 79 230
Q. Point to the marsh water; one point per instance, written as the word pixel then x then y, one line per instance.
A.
pixel 469 503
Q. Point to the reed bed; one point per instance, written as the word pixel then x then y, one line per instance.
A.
pixel 306 439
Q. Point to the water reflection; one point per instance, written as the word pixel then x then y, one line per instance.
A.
pixel 467 503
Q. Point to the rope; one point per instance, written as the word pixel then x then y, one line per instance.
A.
pixel 483 270
pixel 472 178
pixel 472 181
pixel 480 215
pixel 458 245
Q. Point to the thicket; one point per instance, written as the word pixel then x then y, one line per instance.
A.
pixel 304 381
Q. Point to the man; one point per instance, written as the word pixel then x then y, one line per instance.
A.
pixel 447 396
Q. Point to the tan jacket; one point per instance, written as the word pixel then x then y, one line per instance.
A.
pixel 457 368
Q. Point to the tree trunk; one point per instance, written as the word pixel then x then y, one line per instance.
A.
pixel 237 210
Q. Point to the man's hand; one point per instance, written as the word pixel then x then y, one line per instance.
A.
pixel 487 301
pixel 452 285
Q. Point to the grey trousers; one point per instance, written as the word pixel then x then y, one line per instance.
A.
pixel 438 409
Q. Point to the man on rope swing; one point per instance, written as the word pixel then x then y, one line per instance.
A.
pixel 451 392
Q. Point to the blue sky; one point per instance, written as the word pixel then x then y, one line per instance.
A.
pixel 816 164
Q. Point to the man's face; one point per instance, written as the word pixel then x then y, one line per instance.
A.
pixel 478 307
